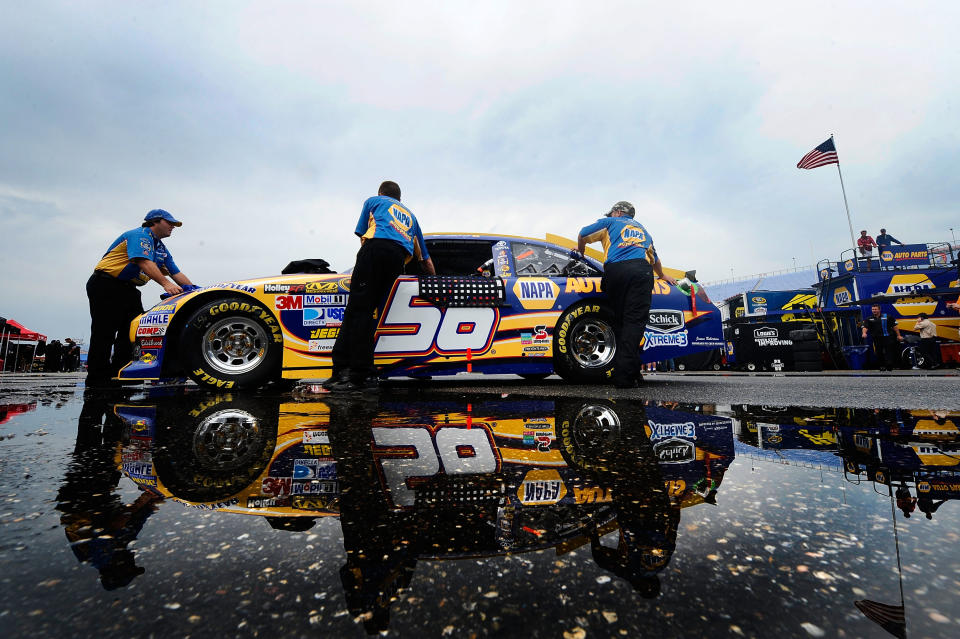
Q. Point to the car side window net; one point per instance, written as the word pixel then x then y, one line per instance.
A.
pixel 537 259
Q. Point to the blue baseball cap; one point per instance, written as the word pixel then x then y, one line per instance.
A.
pixel 160 214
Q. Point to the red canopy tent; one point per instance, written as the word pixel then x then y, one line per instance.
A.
pixel 26 333
pixel 13 332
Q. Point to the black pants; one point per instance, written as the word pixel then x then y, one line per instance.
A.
pixel 379 262
pixel 931 350
pixel 629 288
pixel 887 351
pixel 113 305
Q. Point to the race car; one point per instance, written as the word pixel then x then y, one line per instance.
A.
pixel 498 304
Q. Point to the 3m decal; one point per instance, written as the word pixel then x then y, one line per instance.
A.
pixel 289 302
pixel 411 327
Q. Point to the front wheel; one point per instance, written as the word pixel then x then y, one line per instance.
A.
pixel 232 343
pixel 584 344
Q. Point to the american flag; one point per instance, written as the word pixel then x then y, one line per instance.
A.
pixel 824 154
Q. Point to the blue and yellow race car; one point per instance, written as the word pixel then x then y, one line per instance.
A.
pixel 498 304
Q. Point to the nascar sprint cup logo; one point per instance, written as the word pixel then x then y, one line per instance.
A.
pixel 664 329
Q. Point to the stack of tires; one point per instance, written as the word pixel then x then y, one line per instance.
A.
pixel 806 350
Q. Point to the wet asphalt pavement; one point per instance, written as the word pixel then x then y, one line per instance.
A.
pixel 698 505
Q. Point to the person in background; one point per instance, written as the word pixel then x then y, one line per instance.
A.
pixel 134 258
pixel 928 340
pixel 865 244
pixel 884 336
pixel 630 264
pixel 884 240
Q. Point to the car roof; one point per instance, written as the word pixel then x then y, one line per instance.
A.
pixel 556 240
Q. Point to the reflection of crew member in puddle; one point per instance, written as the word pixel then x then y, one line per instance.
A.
pixel 905 502
pixel 380 544
pixel 647 519
pixel 97 523
pixel 927 506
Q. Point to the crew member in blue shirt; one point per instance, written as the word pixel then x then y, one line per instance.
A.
pixel 134 258
pixel 390 237
pixel 628 270
pixel 884 240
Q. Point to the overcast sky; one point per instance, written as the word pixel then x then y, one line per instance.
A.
pixel 264 126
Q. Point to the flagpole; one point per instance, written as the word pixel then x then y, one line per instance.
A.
pixel 853 241
pixel 896 540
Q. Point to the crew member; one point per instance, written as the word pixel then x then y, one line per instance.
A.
pixel 134 258
pixel 390 236
pixel 885 336
pixel 628 270
pixel 884 240
pixel 865 244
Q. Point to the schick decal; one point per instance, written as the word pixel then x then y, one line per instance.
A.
pixel 665 320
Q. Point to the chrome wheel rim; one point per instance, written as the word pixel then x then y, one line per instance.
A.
pixel 227 439
pixel 593 343
pixel 235 345
pixel 596 429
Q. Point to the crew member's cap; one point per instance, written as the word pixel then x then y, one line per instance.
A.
pixel 622 206
pixel 160 214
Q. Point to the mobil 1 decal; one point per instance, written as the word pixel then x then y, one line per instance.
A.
pixel 312 316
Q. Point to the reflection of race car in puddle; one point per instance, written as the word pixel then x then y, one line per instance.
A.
pixel 448 479
pixel 255 456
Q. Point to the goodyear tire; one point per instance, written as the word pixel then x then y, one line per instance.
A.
pixel 232 343
pixel 584 344
pixel 589 432
pixel 217 448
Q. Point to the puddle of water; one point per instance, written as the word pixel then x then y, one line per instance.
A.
pixel 412 513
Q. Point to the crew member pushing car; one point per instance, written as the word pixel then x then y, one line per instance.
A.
pixel 134 258
pixel 390 237
pixel 627 280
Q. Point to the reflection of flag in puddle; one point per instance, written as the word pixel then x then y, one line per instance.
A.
pixel 890 618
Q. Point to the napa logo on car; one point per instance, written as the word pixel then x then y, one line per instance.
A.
pixel 536 293
pixel 908 285
pixel 848 265
pixel 887 256
pixel 541 488
pixel 841 295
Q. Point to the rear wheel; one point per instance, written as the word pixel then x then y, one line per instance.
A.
pixel 584 344
pixel 232 343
